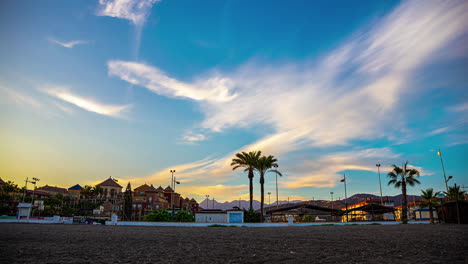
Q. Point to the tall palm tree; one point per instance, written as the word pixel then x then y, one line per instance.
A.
pixel 264 165
pixel 247 161
pixel 430 200
pixel 401 177
pixel 454 193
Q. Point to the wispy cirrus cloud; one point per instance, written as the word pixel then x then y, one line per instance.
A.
pixel 87 104
pixel 320 103
pixel 351 93
pixel 136 11
pixel 459 108
pixel 20 98
pixel 212 89
pixel 69 44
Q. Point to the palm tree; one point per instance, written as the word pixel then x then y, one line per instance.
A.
pixel 264 165
pixel 400 177
pixel 430 200
pixel 454 193
pixel 87 191
pixel 98 191
pixel 247 161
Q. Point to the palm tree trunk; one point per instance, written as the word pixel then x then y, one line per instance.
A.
pixel 251 176
pixel 404 205
pixel 431 215
pixel 262 196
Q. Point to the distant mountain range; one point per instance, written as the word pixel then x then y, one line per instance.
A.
pixel 360 197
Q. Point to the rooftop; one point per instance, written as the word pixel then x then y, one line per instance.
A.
pixel 76 187
pixel 109 183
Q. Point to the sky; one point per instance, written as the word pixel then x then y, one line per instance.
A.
pixel 133 89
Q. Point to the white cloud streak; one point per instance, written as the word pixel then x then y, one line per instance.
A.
pixel 86 103
pixel 20 98
pixel 213 89
pixel 459 108
pixel 69 44
pixel 136 11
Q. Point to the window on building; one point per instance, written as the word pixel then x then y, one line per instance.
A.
pixel 149 206
pixel 150 199
pixel 134 206
pixel 139 206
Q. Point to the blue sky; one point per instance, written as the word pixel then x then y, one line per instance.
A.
pixel 132 89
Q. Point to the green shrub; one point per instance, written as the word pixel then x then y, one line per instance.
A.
pixel 251 216
pixel 184 216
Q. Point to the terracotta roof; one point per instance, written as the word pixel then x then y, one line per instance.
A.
pixel 109 182
pixel 76 187
pixel 151 189
pixel 141 188
pixel 160 188
pixel 48 188
pixel 168 189
pixel 193 200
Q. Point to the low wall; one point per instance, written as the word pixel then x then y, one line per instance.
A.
pixel 256 224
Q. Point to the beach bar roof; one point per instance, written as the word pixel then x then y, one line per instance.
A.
pixel 283 208
pixel 374 208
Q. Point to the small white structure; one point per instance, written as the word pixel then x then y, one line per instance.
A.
pixel 24 210
pixel 219 216
pixel 211 216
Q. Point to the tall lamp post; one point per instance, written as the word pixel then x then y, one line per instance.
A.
pixel 269 200
pixel 207 199
pixel 443 169
pixel 172 194
pixel 331 193
pixel 26 186
pixel 277 202
pixel 346 196
pixel 34 190
pixel 380 184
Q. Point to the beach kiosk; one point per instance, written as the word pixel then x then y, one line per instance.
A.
pixel 24 210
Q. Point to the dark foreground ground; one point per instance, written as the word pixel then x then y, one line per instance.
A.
pixel 35 243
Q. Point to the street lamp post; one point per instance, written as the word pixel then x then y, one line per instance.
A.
pixel 443 169
pixel 34 190
pixel 346 196
pixel 331 193
pixel 207 199
pixel 277 202
pixel 380 184
pixel 269 200
pixel 213 202
pixel 172 194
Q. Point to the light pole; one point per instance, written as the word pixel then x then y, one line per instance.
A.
pixel 346 196
pixel 380 184
pixel 26 186
pixel 443 169
pixel 172 194
pixel 277 202
pixel 34 190
pixel 213 202
pixel 207 199
pixel 269 200
pixel 331 193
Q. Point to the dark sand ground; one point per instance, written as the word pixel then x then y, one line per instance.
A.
pixel 35 243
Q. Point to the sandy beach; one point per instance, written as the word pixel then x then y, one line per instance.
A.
pixel 29 243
